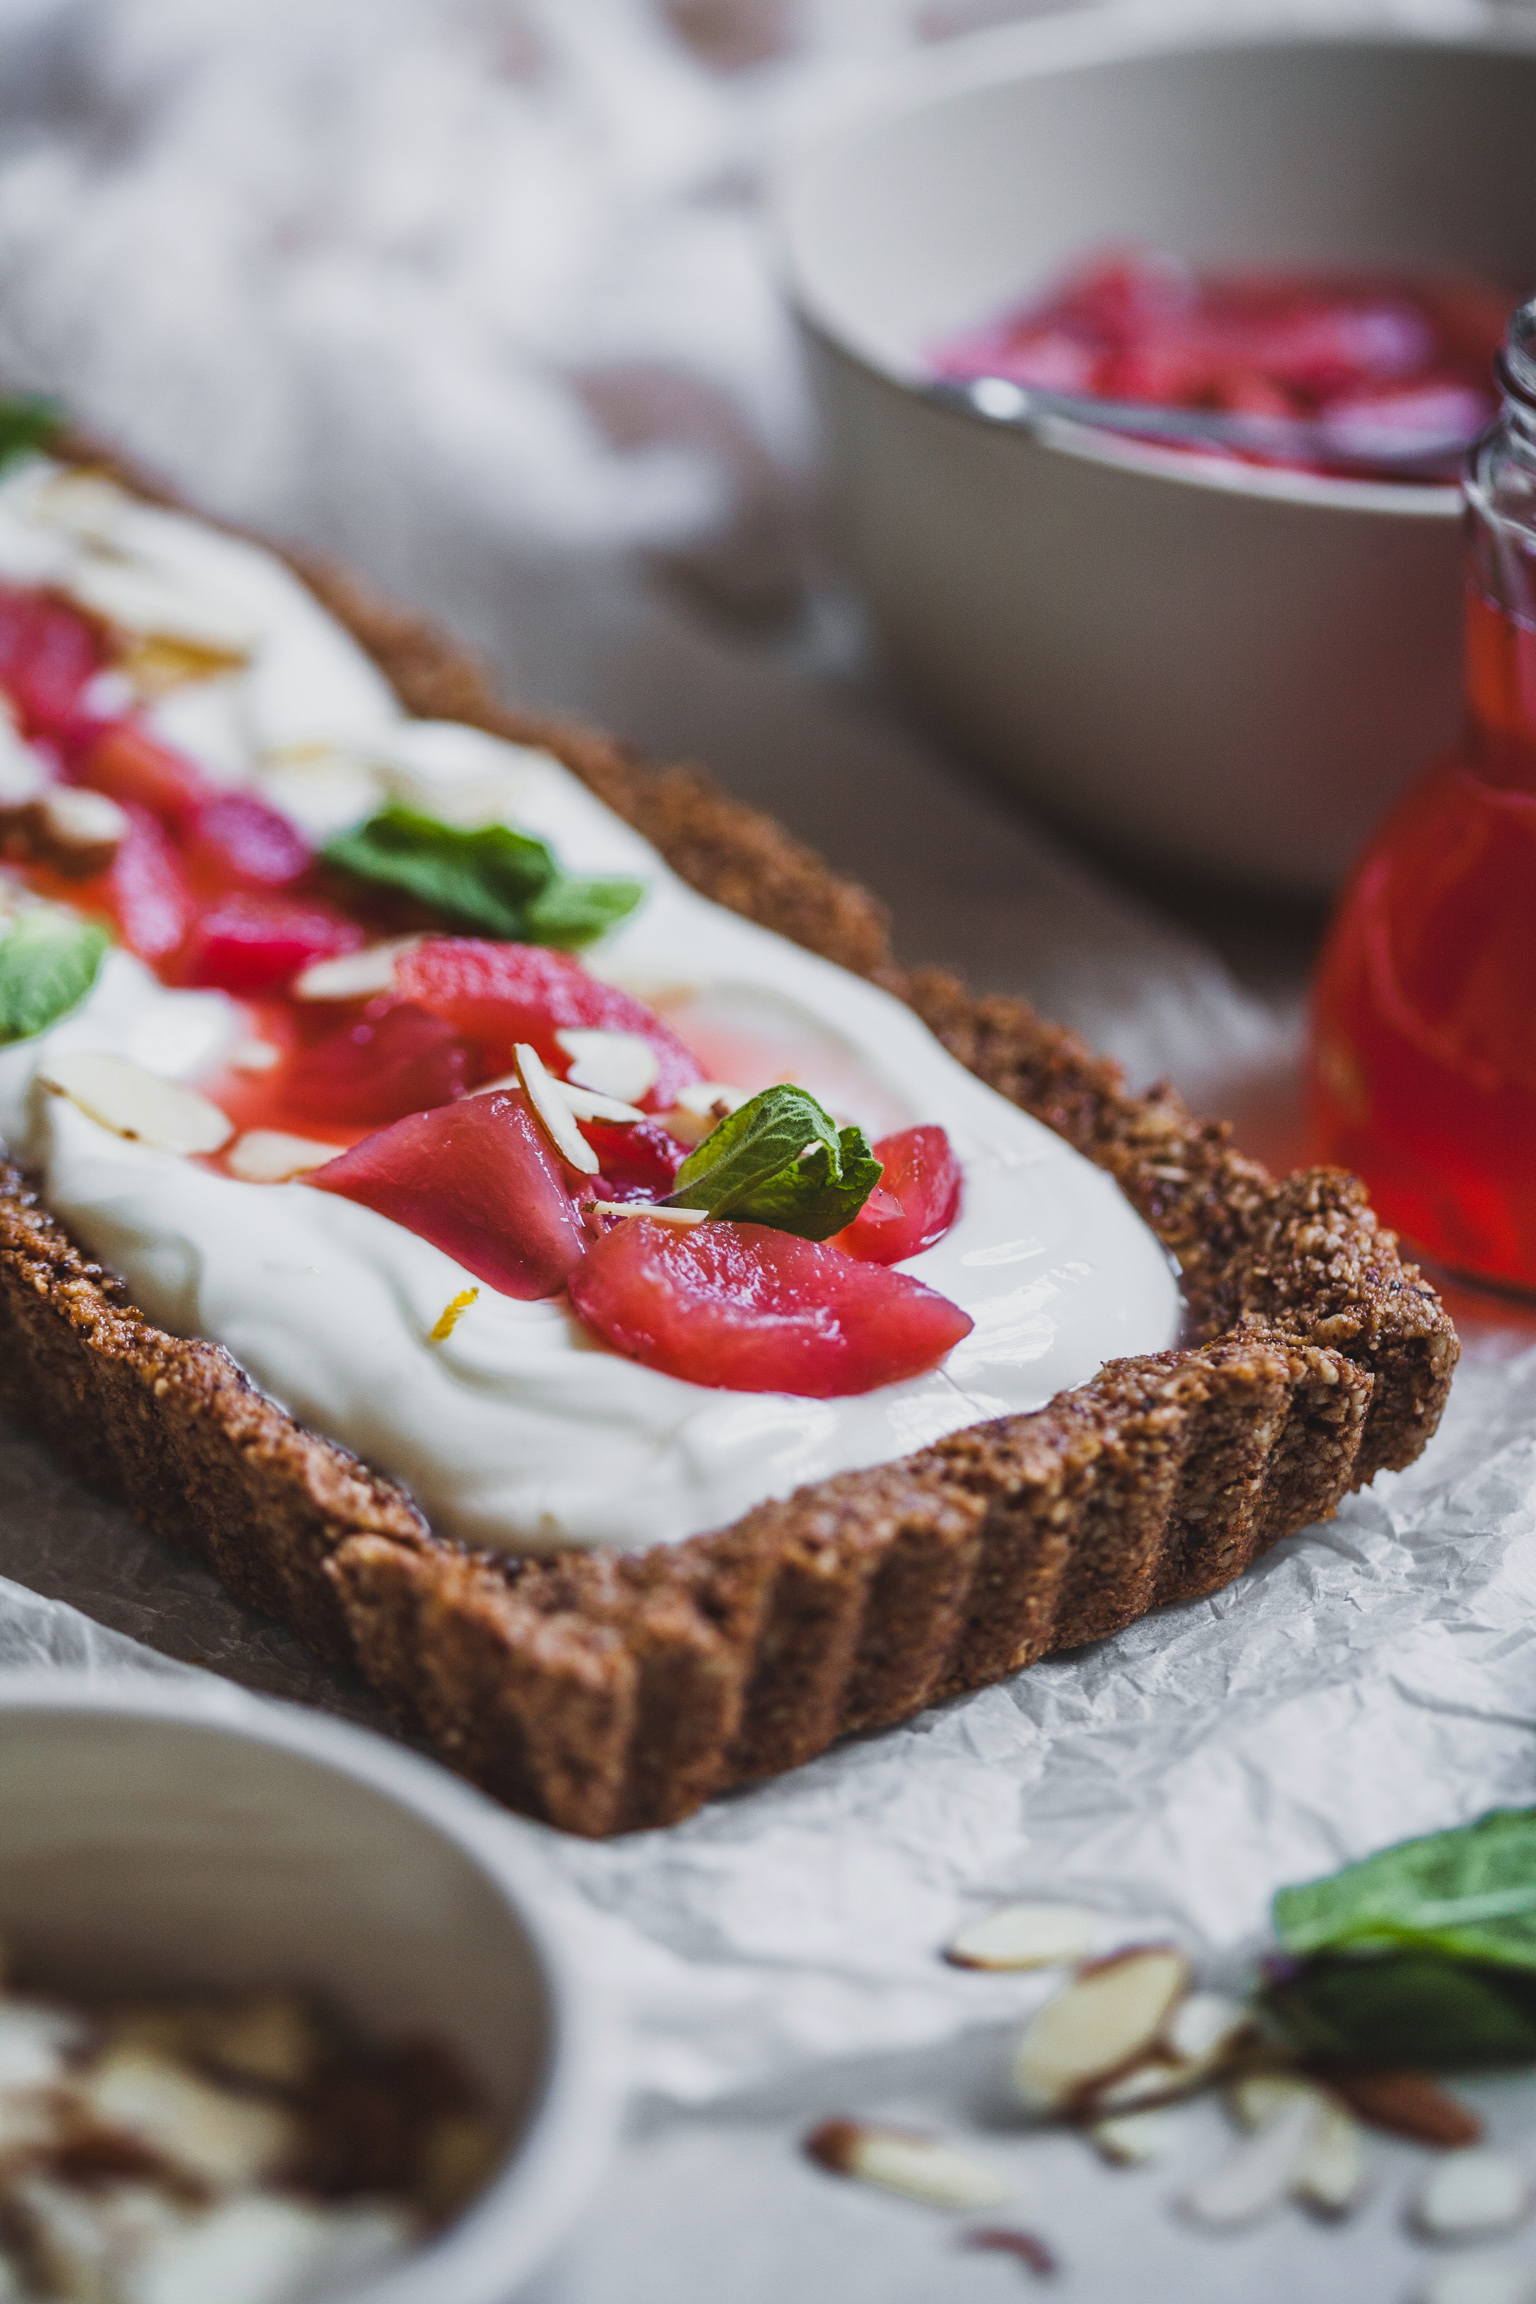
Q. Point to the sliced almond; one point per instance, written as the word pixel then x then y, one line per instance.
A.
pixel 23 778
pixel 255 1056
pixel 581 1103
pixel 139 1104
pixel 1106 2018
pixel 1408 2104
pixel 354 975
pixel 1207 2027
pixel 205 2133
pixel 552 1111
pixel 78 830
pixel 1333 2173
pixel 700 1108
pixel 1026 1936
pixel 1467 2194
pixel 622 1065
pixel 1481 2280
pixel 267 1156
pixel 682 1218
pixel 1155 2080
pixel 1254 2180
pixel 906 2161
pixel 139 599
pixel 1258 2096
pixel 1129 2139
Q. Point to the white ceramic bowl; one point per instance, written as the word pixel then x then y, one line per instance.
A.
pixel 1232 669
pixel 172 1835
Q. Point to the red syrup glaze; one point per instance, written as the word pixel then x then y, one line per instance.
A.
pixel 1423 1065
pixel 748 1309
pixel 1399 351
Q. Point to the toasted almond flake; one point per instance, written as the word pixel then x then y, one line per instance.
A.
pixel 1105 2019
pixel 581 1103
pixel 212 2136
pixel 700 1108
pixel 156 663
pixel 139 1104
pixel 906 2161
pixel 1129 2139
pixel 1333 2173
pixel 81 828
pixel 1254 2179
pixel 1409 2104
pixel 267 1156
pixel 23 778
pixel 139 600
pixel 682 1218
pixel 1481 2280
pixel 450 1316
pixel 617 1064
pixel 552 1111
pixel 1206 2027
pixel 1258 2096
pixel 255 1056
pixel 1026 1936
pixel 1467 2194
pixel 353 975
pixel 1156 2080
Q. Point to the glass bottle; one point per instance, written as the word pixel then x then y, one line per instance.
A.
pixel 1422 1071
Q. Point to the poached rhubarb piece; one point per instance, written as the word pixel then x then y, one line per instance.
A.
pixel 479 1181
pixel 747 1309
pixel 250 944
pixel 148 890
pixel 500 994
pixel 396 1061
pixel 913 1205
pixel 48 652
pixel 639 1160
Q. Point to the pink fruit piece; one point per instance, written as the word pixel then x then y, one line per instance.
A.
pixel 148 890
pixel 132 767
pixel 48 652
pixel 749 1309
pixel 639 1162
pixel 477 1179
pixel 245 943
pixel 238 837
pixel 915 1202
pixel 502 993
pixel 397 1061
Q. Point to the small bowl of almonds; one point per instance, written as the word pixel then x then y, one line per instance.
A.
pixel 278 2022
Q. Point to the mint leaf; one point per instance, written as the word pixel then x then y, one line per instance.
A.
pixel 779 1160
pixel 27 420
pixel 497 881
pixel 1408 2010
pixel 49 959
pixel 1468 1893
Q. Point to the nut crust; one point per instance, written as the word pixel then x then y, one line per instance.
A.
pixel 609 1692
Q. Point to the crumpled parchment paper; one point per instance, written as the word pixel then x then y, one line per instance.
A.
pixel 445 340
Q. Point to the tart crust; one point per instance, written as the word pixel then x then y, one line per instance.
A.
pixel 608 1692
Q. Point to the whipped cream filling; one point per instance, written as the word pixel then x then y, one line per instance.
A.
pixel 519 1430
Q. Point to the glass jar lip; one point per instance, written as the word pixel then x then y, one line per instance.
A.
pixel 1515 363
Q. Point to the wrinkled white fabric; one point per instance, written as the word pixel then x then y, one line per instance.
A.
pixel 474 293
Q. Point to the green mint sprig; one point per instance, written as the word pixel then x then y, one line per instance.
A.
pixel 780 1160
pixel 495 881
pixel 49 959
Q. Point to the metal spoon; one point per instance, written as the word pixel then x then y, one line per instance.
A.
pixel 1336 445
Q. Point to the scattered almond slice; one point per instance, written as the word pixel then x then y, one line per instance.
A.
pixel 700 1108
pixel 23 778
pixel 904 2160
pixel 581 1103
pixel 1105 2019
pixel 354 975
pixel 1256 2178
pixel 1467 2194
pixel 1206 2028
pixel 1409 2104
pixel 269 2037
pixel 1333 2174
pixel 621 1065
pixel 139 1104
pixel 139 600
pixel 267 1156
pixel 1129 2139
pixel 552 1111
pixel 1156 2080
pixel 255 1056
pixel 1258 2096
pixel 1481 2280
pixel 204 2132
pixel 1026 1936
pixel 682 1218
pixel 78 830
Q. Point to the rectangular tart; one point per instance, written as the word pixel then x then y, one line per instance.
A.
pixel 606 1692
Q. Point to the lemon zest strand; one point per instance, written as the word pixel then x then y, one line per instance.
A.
pixel 451 1315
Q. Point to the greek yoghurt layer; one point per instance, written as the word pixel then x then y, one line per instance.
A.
pixel 517 1429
